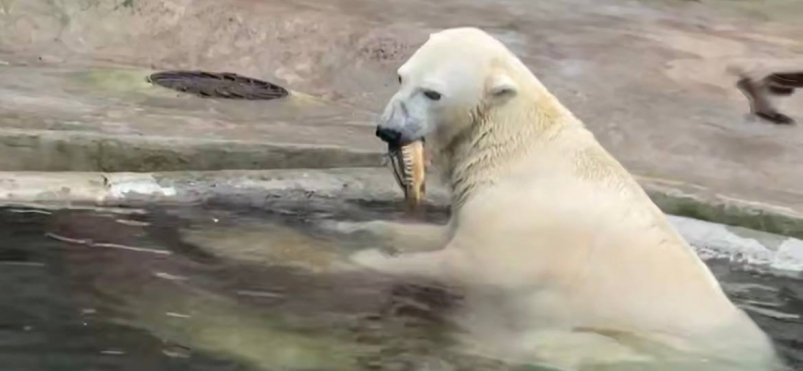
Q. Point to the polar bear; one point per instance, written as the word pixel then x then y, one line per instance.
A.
pixel 564 258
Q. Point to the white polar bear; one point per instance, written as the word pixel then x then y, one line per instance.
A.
pixel 564 257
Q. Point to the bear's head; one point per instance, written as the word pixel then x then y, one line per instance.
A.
pixel 448 85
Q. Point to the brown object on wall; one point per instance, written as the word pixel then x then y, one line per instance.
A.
pixel 761 91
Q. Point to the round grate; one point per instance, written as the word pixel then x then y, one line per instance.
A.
pixel 218 85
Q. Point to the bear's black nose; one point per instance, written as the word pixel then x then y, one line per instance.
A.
pixel 389 136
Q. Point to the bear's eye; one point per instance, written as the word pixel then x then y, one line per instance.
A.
pixel 399 79
pixel 433 95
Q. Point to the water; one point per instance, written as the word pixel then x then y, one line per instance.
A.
pixel 213 289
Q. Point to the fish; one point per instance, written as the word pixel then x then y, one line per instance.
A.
pixel 409 168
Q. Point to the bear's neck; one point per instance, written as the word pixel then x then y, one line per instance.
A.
pixel 498 139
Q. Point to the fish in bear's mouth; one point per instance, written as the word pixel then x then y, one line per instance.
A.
pixel 409 169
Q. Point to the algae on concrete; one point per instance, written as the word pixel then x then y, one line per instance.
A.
pixel 729 213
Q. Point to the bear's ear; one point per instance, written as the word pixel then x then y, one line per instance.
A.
pixel 502 87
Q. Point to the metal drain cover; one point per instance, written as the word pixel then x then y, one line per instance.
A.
pixel 218 85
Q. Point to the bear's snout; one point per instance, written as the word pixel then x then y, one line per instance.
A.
pixel 390 136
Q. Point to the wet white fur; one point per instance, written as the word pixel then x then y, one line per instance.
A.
pixel 565 258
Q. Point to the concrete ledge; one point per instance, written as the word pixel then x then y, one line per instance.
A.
pixel 44 150
pixel 264 188
pixel 697 202
pixel 111 120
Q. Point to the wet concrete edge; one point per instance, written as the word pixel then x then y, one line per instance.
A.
pixel 267 188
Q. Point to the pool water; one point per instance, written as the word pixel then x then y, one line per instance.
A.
pixel 192 288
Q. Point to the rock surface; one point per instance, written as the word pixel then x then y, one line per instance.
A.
pixel 649 79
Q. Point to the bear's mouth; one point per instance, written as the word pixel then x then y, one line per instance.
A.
pixel 409 169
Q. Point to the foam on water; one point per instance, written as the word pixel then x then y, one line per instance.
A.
pixel 761 249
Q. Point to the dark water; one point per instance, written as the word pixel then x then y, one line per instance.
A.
pixel 99 290
pixel 774 302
